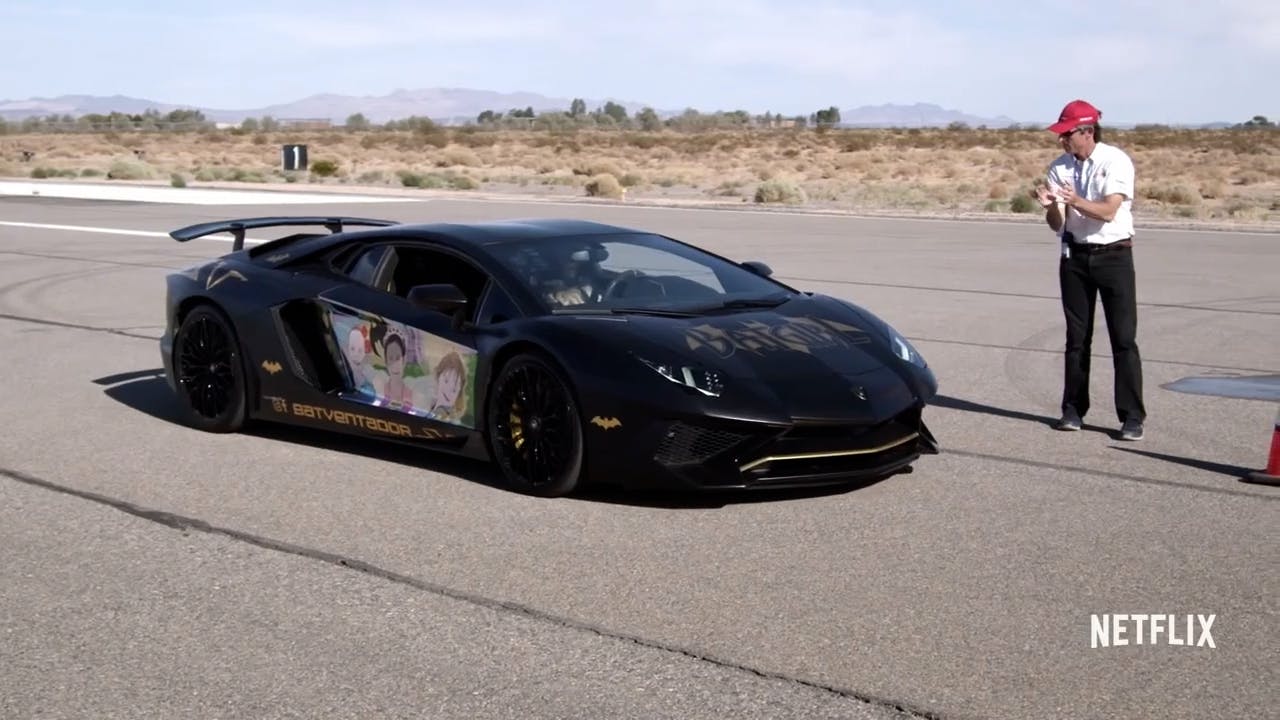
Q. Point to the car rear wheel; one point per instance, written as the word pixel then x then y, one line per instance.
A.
pixel 535 428
pixel 209 372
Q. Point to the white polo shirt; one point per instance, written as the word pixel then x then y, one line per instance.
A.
pixel 1107 171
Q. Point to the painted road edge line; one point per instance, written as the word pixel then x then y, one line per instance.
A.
pixel 118 231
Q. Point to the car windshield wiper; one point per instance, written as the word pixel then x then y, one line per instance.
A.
pixel 768 301
pixel 662 312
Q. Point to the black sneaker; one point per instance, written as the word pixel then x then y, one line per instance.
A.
pixel 1070 420
pixel 1131 430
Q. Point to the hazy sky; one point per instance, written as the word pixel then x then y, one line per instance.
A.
pixel 1139 60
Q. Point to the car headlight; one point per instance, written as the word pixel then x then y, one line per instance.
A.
pixel 904 350
pixel 706 381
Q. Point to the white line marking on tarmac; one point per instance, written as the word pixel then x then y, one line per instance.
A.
pixel 189 196
pixel 1035 223
pixel 120 231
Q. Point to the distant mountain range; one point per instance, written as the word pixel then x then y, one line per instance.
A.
pixel 457 105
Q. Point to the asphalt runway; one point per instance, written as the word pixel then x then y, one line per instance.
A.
pixel 153 570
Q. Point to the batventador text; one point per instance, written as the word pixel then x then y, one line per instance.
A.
pixel 1117 629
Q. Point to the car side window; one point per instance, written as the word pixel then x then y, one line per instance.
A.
pixel 409 265
pixel 496 306
pixel 365 268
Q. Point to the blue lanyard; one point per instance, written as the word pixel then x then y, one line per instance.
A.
pixel 1081 189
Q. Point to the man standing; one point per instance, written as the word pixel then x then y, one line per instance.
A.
pixel 1088 202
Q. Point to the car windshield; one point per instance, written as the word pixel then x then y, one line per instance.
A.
pixel 638 272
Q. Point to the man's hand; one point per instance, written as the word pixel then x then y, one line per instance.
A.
pixel 1104 210
pixel 1043 195
pixel 1068 195
pixel 1049 197
pixel 571 296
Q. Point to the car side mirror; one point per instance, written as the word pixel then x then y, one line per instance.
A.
pixel 758 268
pixel 442 298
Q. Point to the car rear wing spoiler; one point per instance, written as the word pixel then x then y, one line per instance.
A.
pixel 237 228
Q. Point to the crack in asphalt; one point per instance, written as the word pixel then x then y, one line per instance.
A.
pixel 76 326
pixel 187 524
pixel 121 263
pixel 1058 351
pixel 1031 296
pixel 963 453
pixel 1108 474
pixel 1181 363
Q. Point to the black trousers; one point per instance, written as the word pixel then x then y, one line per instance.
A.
pixel 1084 277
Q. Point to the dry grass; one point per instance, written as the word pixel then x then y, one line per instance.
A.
pixel 1186 174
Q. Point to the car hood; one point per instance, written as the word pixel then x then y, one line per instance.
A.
pixel 805 337
pixel 814 356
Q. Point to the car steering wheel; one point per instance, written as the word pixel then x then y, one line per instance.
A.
pixel 621 279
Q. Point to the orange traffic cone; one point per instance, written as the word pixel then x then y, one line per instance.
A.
pixel 1270 476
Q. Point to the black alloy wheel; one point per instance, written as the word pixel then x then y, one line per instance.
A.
pixel 209 371
pixel 535 428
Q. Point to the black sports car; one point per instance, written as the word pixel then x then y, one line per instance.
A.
pixel 563 350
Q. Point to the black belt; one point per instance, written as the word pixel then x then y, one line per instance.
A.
pixel 1088 248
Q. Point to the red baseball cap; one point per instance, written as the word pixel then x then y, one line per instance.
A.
pixel 1075 114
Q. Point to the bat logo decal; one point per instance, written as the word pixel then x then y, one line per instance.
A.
pixel 271 366
pixel 606 423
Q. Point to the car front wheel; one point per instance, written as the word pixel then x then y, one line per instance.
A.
pixel 535 428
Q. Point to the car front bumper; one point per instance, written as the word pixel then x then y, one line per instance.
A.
pixel 710 453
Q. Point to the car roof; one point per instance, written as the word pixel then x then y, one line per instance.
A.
pixel 496 232
pixel 459 235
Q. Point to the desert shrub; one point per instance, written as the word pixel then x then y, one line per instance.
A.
pixel 605 185
pixel 177 180
pixel 728 188
pixel 436 138
pixel 458 155
pixel 597 167
pixel 477 139
pixel 409 178
pixel 1022 203
pixel 644 142
pixel 1212 189
pixel 1171 194
pixel 41 173
pixel 324 168
pixel 780 190
pixel 463 182
pixel 205 174
pixel 856 141
pixel 129 170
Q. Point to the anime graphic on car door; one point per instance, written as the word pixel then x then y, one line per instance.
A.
pixel 400 367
